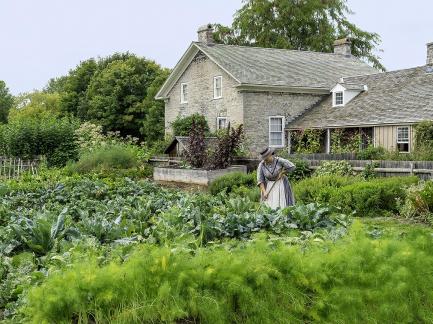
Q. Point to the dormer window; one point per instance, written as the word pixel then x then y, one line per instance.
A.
pixel 338 98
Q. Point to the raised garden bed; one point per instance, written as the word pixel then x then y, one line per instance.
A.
pixel 193 176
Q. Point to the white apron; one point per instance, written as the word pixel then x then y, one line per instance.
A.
pixel 277 195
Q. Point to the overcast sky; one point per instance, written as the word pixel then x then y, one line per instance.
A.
pixel 45 38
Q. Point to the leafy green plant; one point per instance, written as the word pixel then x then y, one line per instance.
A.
pixel 30 138
pixel 182 125
pixel 371 153
pixel 307 140
pixel 368 172
pixel 230 181
pixel 252 283
pixel 106 158
pixel 41 235
pixel 418 203
pixel 339 168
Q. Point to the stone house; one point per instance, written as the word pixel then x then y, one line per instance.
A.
pixel 273 92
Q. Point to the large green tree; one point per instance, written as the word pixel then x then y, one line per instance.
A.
pixel 6 102
pixel 117 96
pixel 116 92
pixel 298 24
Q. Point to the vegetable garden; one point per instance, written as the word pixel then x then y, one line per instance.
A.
pixel 91 248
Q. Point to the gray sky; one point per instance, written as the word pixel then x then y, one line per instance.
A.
pixel 45 38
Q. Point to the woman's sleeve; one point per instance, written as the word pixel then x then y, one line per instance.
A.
pixel 286 164
pixel 260 175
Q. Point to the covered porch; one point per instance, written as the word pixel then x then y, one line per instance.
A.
pixel 329 140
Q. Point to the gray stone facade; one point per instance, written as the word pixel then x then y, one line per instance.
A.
pixel 199 77
pixel 259 106
pixel 252 109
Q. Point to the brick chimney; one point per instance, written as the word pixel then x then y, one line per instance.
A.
pixel 342 46
pixel 430 53
pixel 205 34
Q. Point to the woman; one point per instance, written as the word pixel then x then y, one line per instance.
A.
pixel 274 185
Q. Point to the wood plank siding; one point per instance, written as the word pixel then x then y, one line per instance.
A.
pixel 386 137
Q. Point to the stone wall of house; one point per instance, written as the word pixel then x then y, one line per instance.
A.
pixel 199 76
pixel 259 106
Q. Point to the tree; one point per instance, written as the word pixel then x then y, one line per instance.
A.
pixel 116 92
pixel 36 105
pixel 303 25
pixel 153 125
pixel 117 95
pixel 6 102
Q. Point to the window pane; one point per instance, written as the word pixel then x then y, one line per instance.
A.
pixel 217 87
pixel 183 92
pixel 403 135
pixel 339 98
pixel 276 124
pixel 403 147
pixel 276 138
pixel 222 123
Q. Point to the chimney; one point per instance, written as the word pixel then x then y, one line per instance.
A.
pixel 430 53
pixel 205 34
pixel 342 46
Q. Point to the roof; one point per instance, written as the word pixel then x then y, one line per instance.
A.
pixel 398 97
pixel 272 67
pixel 183 142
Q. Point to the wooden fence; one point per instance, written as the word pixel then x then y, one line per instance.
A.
pixel 11 168
pixel 385 168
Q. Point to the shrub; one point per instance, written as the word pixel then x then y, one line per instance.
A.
pixel 113 157
pixel 319 188
pixel 371 153
pixel 340 168
pixel 231 181
pixel 228 143
pixel 301 171
pixel 182 125
pixel 368 172
pixel 196 154
pixel 371 198
pixel 30 138
pixel 424 135
pixel 353 194
pixel 418 204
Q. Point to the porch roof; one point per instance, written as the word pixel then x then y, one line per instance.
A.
pixel 398 97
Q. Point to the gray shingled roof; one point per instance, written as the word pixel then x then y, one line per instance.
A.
pixel 281 67
pixel 403 96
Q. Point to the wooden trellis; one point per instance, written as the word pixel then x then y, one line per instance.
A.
pixel 11 168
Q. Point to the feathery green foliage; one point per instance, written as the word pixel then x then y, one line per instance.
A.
pixel 355 280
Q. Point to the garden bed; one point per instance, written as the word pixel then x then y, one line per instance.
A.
pixel 193 176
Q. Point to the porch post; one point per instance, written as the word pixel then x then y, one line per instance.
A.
pixel 328 141
pixel 289 142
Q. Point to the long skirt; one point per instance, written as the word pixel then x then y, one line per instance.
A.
pixel 280 194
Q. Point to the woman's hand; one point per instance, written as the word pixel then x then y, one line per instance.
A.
pixel 265 195
pixel 280 176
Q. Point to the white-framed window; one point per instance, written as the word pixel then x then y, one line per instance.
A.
pixel 217 87
pixel 222 122
pixel 338 98
pixel 403 139
pixel 276 131
pixel 183 93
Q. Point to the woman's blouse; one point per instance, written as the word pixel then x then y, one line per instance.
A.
pixel 269 172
